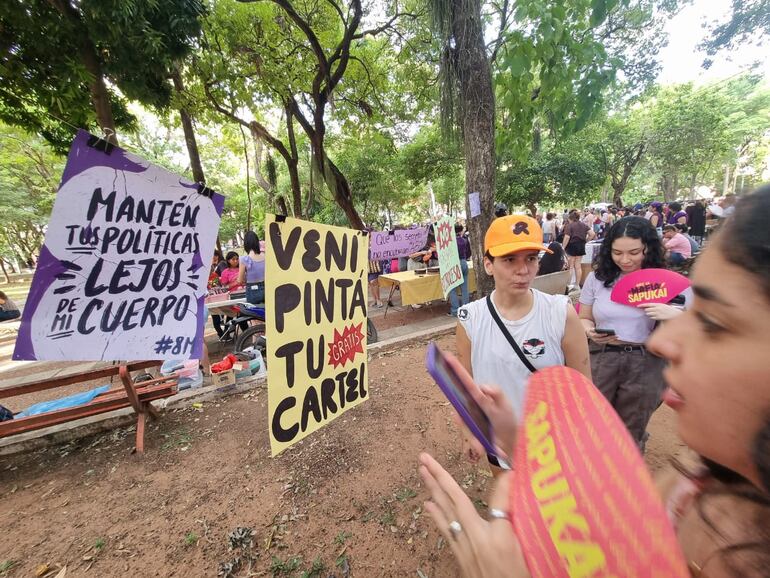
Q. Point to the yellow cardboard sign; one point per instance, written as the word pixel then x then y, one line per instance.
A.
pixel 315 300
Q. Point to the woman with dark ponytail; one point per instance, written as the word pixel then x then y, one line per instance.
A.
pixel 718 381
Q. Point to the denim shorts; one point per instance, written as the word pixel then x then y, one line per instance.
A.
pixel 255 293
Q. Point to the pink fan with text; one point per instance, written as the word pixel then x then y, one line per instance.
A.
pixel 581 498
pixel 649 286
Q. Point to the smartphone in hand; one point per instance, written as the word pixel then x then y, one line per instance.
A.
pixel 454 387
pixel 604 331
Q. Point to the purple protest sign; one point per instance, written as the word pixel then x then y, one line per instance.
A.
pixel 123 272
pixel 385 245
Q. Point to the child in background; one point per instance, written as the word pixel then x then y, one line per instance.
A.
pixel 229 277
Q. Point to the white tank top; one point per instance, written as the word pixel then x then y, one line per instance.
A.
pixel 538 334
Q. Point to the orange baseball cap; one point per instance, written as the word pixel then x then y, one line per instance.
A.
pixel 513 233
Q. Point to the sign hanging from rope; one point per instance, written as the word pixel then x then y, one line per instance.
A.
pixel 123 271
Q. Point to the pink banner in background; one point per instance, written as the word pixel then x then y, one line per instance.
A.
pixel 386 245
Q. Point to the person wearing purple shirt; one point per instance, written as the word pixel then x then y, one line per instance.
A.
pixel 464 249
pixel 676 215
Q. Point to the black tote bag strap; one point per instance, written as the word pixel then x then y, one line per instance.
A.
pixel 508 336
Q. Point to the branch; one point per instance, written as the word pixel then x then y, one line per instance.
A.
pixel 261 180
pixel 371 82
pixel 383 27
pixel 339 11
pixel 341 53
pixel 257 129
pixel 498 42
pixel 302 24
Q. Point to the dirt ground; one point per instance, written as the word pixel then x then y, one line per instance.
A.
pixel 347 501
pixel 396 317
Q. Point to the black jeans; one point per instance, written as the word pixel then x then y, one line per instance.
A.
pixel 8 315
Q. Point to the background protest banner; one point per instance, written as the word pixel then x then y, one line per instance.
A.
pixel 585 503
pixel 315 293
pixel 448 255
pixel 123 272
pixel 385 245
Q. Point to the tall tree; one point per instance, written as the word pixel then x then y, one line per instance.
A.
pixel 63 58
pixel 570 171
pixel 689 136
pixel 622 141
pixel 333 57
pixel 467 91
pixel 557 60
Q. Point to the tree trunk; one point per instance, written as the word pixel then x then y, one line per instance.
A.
pixel 293 163
pixel 339 187
pixel 478 126
pixel 532 208
pixel 282 208
pixel 617 196
pixel 248 178
pixel 189 131
pixel 5 273
pixel 726 182
pixel 296 190
pixel 88 56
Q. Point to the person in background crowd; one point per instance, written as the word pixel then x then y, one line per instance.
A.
pixel 719 387
pixel 229 279
pixel 251 271
pixel 216 261
pixel 694 246
pixel 8 309
pixel 376 268
pixel 552 262
pixel 426 257
pixel 728 204
pixel 656 216
pixel 549 228
pixel 589 218
pixel 229 276
pixel 546 326
pixel 676 215
pixel 628 375
pixel 403 262
pixel 677 247
pixel 464 250
pixel 576 234
pixel 500 210
pixel 697 221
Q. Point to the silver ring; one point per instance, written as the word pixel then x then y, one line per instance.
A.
pixel 455 527
pixel 496 514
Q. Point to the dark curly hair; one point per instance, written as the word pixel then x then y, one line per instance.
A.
pixel 636 228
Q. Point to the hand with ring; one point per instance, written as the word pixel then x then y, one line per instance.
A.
pixel 483 548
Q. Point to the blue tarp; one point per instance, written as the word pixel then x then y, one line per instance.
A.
pixel 64 402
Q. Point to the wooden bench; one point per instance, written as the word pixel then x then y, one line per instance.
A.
pixel 139 396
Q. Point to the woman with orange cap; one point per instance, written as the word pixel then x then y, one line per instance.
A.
pixel 516 330
pixel 719 386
